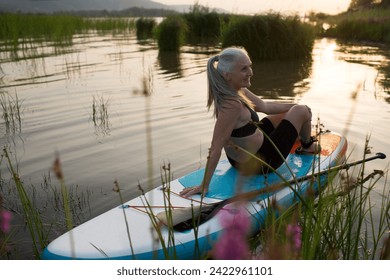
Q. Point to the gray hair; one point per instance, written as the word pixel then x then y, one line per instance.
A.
pixel 218 89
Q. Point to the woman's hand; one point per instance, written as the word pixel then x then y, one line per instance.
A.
pixel 193 190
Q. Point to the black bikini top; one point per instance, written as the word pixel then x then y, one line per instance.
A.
pixel 247 129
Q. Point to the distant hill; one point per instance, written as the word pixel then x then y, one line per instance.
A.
pixel 52 6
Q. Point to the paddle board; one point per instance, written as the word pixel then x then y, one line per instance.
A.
pixel 131 231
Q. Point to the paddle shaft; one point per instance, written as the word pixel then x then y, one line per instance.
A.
pixel 278 186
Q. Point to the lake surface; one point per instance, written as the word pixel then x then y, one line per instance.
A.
pixel 86 103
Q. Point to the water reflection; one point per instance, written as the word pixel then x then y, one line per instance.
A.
pixel 384 77
pixel 271 79
pixel 170 64
pixel 11 114
pixel 375 56
pixel 274 79
pixel 100 116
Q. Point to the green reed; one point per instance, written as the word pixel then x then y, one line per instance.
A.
pixel 362 25
pixel 171 33
pixel 270 37
pixel 12 111
pixel 118 190
pixel 109 25
pixel 31 215
pixel 340 223
pixel 25 201
pixel 20 31
pixel 203 26
pixel 57 168
pixel 347 217
pixel 145 28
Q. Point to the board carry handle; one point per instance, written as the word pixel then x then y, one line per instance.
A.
pixel 184 218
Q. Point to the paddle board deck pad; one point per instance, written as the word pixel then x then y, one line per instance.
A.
pixel 127 231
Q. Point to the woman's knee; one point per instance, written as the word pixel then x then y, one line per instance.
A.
pixel 301 111
pixel 298 115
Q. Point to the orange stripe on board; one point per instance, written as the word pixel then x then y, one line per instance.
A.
pixel 328 142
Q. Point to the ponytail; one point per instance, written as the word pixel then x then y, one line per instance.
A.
pixel 218 89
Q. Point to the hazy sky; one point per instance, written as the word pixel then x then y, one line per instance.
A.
pixel 283 6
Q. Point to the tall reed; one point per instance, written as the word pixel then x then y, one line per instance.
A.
pixel 171 33
pixel 361 25
pixel 339 224
pixel 270 37
pixel 31 215
pixel 22 31
pixel 66 206
pixel 145 28
pixel 18 28
pixel 12 113
pixel 203 26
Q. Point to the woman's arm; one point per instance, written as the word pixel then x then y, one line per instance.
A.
pixel 226 121
pixel 269 108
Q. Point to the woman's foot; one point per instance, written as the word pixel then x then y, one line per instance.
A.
pixel 310 147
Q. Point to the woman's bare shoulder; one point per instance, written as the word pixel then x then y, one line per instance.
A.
pixel 232 104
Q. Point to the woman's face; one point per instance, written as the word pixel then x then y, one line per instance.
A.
pixel 240 74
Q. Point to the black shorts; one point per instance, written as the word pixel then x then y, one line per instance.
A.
pixel 276 146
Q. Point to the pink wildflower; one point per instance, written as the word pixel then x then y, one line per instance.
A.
pixel 232 244
pixel 294 233
pixel 5 219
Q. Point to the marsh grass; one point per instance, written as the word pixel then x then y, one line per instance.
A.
pixel 18 29
pixel 11 113
pixel 171 33
pixel 338 224
pixel 270 37
pixel 274 36
pixel 203 26
pixel 145 28
pixel 31 215
pixel 362 25
pixel 118 190
pixel 67 205
pixel 21 32
pixel 167 244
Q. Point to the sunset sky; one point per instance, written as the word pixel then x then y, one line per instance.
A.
pixel 257 6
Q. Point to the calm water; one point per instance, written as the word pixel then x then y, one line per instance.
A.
pixel 128 136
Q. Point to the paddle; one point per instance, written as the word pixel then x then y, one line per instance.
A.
pixel 183 219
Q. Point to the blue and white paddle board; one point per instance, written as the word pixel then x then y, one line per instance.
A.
pixel 131 231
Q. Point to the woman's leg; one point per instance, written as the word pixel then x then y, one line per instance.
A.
pixel 276 119
pixel 300 117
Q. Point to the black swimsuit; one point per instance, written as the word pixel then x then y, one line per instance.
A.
pixel 283 137
pixel 249 128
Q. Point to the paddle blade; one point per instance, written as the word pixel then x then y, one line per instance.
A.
pixel 173 217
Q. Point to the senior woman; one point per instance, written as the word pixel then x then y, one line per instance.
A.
pixel 252 146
